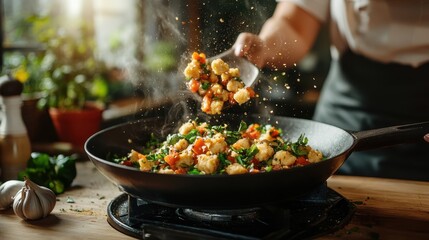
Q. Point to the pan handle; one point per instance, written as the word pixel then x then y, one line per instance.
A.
pixel 383 137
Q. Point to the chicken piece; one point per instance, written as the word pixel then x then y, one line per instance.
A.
pixel 265 151
pixel 207 163
pixel 243 143
pixel 283 158
pixel 219 92
pixel 236 168
pixel 181 145
pixel 315 156
pixel 234 72
pixel 145 165
pixel 186 128
pixel 219 66
pixel 192 70
pixel 215 107
pixel 242 96
pixel 266 136
pixel 216 144
pixel 225 77
pixel 213 78
pixel 134 156
pixel 234 154
pixel 185 159
pixel 234 85
pixel 217 89
pixel 202 127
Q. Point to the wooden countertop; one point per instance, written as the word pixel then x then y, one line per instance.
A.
pixel 386 209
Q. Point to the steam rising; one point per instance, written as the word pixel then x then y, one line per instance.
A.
pixel 171 32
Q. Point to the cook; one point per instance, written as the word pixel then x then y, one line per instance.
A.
pixel 378 75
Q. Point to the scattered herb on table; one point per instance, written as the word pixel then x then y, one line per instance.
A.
pixel 70 200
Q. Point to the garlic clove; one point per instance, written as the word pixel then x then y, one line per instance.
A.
pixel 17 203
pixel 7 191
pixel 31 206
pixel 46 197
pixel 33 201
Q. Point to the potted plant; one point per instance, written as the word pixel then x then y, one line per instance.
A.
pixel 26 67
pixel 74 83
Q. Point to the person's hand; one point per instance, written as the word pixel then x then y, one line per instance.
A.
pixel 250 46
pixel 426 137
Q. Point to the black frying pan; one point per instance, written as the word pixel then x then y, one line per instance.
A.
pixel 245 190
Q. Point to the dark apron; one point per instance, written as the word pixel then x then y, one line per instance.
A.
pixel 361 94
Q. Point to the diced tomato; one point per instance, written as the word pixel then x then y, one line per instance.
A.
pixel 200 57
pixel 224 82
pixel 204 76
pixel 274 133
pixel 251 92
pixel 201 130
pixel 195 56
pixel 302 161
pixel 252 132
pixel 180 171
pixel 127 163
pixel 206 105
pixel 256 163
pixel 171 159
pixel 231 159
pixel 199 146
pixel 194 85
pixel 254 135
pixel 231 98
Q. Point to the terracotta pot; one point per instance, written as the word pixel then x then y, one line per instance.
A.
pixel 76 126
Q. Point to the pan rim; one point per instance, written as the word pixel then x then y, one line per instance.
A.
pixel 92 157
pixel 116 165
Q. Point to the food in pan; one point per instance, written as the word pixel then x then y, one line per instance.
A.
pixel 200 148
pixel 216 82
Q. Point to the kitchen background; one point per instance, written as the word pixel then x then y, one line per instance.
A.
pixel 129 55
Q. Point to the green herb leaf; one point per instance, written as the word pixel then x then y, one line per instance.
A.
pixel 54 172
pixel 243 126
pixel 192 135
pixel 194 171
pixel 173 138
pixel 205 85
pixel 298 147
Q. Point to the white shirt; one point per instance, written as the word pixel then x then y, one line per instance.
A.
pixel 383 30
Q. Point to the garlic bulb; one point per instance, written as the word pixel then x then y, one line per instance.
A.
pixel 7 191
pixel 33 201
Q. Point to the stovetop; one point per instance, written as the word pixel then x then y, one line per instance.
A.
pixel 304 218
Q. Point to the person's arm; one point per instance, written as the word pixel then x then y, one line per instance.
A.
pixel 426 137
pixel 284 39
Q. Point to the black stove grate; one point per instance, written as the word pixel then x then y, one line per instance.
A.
pixel 317 214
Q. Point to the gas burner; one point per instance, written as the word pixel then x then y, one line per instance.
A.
pixel 319 213
pixel 221 217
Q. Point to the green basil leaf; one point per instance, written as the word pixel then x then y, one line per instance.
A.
pixel 173 138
